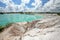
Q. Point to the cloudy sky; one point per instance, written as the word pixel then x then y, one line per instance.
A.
pixel 29 5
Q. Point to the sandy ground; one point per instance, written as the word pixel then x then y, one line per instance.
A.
pixel 47 28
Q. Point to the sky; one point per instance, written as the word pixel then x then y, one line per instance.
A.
pixel 29 5
pixel 2 4
pixel 18 2
pixel 44 1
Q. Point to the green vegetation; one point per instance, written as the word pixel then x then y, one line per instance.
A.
pixel 58 14
pixel 3 27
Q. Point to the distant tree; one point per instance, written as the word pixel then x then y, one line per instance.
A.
pixel 1 13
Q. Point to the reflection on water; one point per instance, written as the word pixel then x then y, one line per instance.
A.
pixel 12 18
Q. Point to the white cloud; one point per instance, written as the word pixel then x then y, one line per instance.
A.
pixel 48 7
pixel 25 1
pixel 51 6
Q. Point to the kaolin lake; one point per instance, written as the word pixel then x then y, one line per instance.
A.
pixel 13 18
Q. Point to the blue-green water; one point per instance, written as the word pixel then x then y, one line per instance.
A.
pixel 12 18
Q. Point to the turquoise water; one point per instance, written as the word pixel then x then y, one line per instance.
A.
pixel 13 18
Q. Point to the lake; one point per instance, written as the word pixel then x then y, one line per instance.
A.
pixel 13 18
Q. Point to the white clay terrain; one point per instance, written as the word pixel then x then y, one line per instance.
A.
pixel 47 28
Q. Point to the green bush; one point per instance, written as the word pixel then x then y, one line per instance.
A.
pixel 58 14
pixel 1 28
